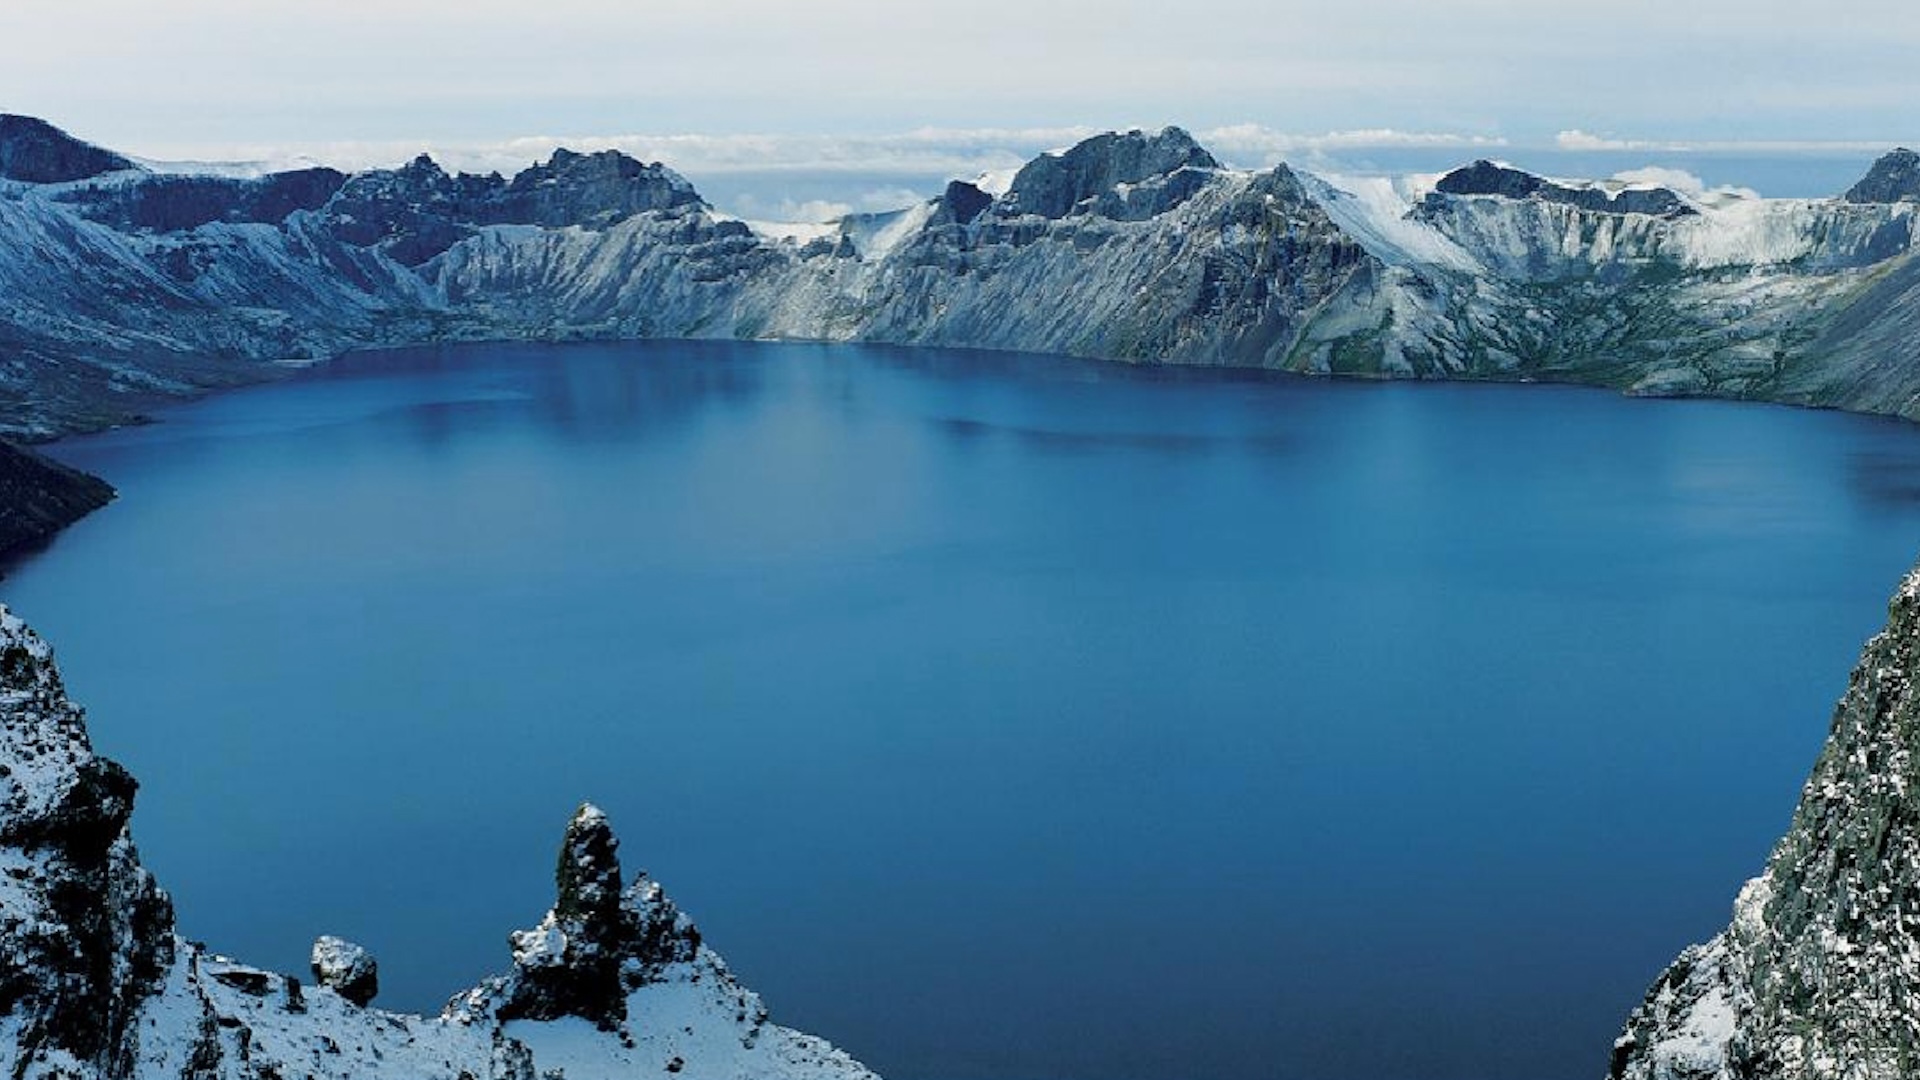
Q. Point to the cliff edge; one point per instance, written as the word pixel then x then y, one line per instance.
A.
pixel 1818 977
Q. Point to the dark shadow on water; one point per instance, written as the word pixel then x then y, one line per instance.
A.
pixel 1059 441
pixel 1886 479
pixel 587 391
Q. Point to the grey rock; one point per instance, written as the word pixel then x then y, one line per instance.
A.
pixel 1484 177
pixel 588 190
pixel 961 203
pixel 418 211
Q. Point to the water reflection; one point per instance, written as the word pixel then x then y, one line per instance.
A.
pixel 591 395
pixel 1056 440
pixel 1887 478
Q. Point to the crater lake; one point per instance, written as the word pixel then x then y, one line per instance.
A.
pixel 999 717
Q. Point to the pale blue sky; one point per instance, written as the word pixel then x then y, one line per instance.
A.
pixel 196 73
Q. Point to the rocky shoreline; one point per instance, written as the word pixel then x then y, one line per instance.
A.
pixel 39 497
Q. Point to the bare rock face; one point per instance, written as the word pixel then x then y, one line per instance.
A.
pixel 1818 977
pixel 348 969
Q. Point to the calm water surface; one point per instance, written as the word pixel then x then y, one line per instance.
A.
pixel 1000 718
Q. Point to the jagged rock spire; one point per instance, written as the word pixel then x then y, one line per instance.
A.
pixel 569 965
pixel 597 945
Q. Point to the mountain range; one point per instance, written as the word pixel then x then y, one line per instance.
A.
pixel 121 285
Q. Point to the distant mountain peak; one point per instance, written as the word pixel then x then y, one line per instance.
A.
pixel 1894 178
pixel 1056 185
pixel 1485 177
pixel 36 152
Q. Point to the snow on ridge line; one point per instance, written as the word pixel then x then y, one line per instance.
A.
pixel 1374 210
pixel 875 236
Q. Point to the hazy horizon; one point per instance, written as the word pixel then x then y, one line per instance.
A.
pixel 228 73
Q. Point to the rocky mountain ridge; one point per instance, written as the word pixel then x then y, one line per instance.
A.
pixel 120 287
pixel 95 983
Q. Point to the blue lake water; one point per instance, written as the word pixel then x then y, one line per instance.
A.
pixel 999 717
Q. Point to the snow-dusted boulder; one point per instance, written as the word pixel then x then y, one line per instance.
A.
pixel 345 968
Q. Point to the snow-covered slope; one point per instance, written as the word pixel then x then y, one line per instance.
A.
pixel 95 985
pixel 1818 977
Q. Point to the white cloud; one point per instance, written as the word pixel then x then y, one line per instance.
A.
pixel 1679 180
pixel 1254 144
pixel 1684 182
pixel 1581 141
pixel 1576 139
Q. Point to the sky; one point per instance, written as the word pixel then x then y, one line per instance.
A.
pixel 357 82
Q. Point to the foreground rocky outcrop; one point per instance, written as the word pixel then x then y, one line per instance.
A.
pixel 1818 977
pixel 95 984
pixel 120 287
